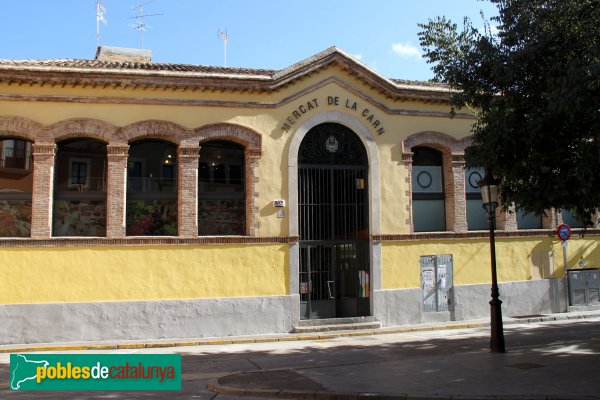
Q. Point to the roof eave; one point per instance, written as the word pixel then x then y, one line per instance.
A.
pixel 225 81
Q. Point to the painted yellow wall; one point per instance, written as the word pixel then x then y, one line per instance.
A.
pixel 471 259
pixel 579 249
pixel 58 274
pixel 192 272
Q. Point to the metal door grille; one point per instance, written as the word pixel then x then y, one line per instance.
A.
pixel 333 224
pixel 314 203
pixel 350 204
pixel 334 279
pixel 315 273
pixel 332 203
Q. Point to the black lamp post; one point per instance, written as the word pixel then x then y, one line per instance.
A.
pixel 489 193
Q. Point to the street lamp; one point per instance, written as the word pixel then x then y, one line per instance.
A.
pixel 489 194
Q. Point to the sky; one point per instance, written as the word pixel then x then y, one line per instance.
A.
pixel 270 34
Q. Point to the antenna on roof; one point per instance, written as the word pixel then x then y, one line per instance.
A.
pixel 139 23
pixel 100 12
pixel 223 36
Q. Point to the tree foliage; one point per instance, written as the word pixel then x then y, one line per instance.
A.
pixel 534 82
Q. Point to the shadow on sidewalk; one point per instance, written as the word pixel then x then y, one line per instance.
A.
pixel 545 358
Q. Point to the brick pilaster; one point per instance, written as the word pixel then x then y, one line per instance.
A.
pixel 506 220
pixel 187 183
pixel 407 160
pixel 251 163
pixel 116 190
pixel 43 180
pixel 456 200
pixel 551 220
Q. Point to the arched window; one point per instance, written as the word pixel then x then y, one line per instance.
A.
pixel 221 189
pixel 152 189
pixel 477 218
pixel 16 185
pixel 428 196
pixel 80 188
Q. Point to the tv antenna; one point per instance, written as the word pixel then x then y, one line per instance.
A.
pixel 139 24
pixel 100 12
pixel 222 34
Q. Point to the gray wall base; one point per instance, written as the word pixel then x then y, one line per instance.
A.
pixel 397 307
pixel 404 306
pixel 138 320
pixel 518 298
pixel 584 308
pixel 441 316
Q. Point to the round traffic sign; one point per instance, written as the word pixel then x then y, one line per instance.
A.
pixel 563 231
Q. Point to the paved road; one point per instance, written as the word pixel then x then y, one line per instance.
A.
pixel 558 359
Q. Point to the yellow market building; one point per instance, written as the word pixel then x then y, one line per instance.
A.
pixel 141 200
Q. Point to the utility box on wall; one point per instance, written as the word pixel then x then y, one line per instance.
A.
pixel 584 287
pixel 436 282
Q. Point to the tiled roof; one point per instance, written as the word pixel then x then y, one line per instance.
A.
pixel 144 66
pixel 150 74
pixel 419 83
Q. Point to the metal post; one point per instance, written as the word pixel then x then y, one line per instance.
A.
pixel 497 329
pixel 564 245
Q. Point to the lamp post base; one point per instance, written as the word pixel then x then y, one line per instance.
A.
pixel 497 328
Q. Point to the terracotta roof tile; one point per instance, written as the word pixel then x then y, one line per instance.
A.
pixel 224 77
pixel 150 66
pixel 419 83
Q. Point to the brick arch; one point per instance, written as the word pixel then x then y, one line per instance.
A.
pixel 453 152
pixel 20 127
pixel 252 142
pixel 84 128
pixel 154 129
pixel 239 134
pixel 437 140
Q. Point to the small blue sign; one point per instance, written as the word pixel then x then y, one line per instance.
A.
pixel 564 232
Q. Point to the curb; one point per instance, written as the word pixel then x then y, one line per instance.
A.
pixel 216 387
pixel 286 338
pixel 291 337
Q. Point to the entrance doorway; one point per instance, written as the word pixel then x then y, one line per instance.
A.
pixel 334 224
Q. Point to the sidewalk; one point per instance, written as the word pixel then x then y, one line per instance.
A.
pixel 560 367
pixel 468 376
pixel 548 357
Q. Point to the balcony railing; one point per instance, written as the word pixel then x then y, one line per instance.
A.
pixel 16 163
pixel 152 185
pixel 91 184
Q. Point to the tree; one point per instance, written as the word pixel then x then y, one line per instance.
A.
pixel 534 83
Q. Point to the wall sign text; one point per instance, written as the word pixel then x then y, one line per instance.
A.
pixel 365 114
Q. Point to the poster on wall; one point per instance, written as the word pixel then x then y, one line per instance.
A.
pixel 436 282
